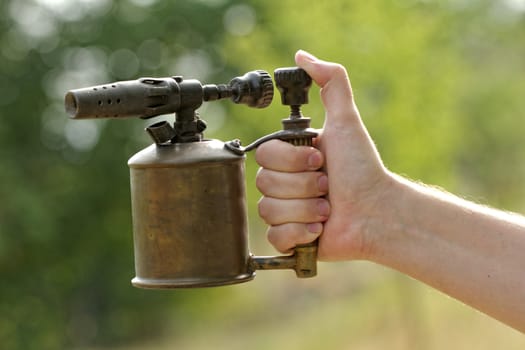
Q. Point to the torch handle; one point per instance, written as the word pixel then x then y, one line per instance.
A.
pixel 293 83
pixel 305 254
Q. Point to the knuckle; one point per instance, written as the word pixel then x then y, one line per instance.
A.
pixel 260 155
pixel 264 210
pixel 268 154
pixel 261 180
pixel 278 239
pixel 339 68
pixel 272 236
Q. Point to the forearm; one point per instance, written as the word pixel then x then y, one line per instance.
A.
pixel 470 252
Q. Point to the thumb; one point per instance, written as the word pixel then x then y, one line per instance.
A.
pixel 336 91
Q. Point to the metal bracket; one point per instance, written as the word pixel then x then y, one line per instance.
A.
pixel 284 135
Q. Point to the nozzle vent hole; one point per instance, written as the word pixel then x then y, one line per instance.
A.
pixel 100 103
pixel 109 102
pixel 118 100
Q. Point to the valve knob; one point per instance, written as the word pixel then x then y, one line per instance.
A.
pixel 254 89
pixel 293 84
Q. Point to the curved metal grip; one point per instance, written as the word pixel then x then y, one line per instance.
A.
pixel 305 254
pixel 293 83
pixel 303 260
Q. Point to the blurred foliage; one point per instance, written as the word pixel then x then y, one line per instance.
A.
pixel 439 84
pixel 65 236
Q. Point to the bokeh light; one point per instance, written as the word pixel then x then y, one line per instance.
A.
pixel 240 20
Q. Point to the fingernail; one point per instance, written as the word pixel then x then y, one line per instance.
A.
pixel 315 160
pixel 323 207
pixel 322 183
pixel 315 228
pixel 307 55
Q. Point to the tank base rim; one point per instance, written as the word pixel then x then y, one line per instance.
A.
pixel 176 283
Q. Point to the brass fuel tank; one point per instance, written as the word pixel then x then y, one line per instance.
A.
pixel 189 216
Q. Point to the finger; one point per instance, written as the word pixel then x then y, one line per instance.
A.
pixel 336 90
pixel 281 211
pixel 284 185
pixel 285 237
pixel 282 156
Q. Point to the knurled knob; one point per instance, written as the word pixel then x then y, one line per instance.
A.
pixel 255 89
pixel 293 83
pixel 267 89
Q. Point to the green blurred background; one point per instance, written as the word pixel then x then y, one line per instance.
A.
pixel 440 84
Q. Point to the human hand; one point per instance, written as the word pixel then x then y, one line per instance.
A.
pixel 344 165
pixel 470 252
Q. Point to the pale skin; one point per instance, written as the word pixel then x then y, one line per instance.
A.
pixel 340 192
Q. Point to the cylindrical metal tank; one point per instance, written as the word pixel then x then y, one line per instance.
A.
pixel 189 216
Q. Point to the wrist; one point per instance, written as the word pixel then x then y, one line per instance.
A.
pixel 386 222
